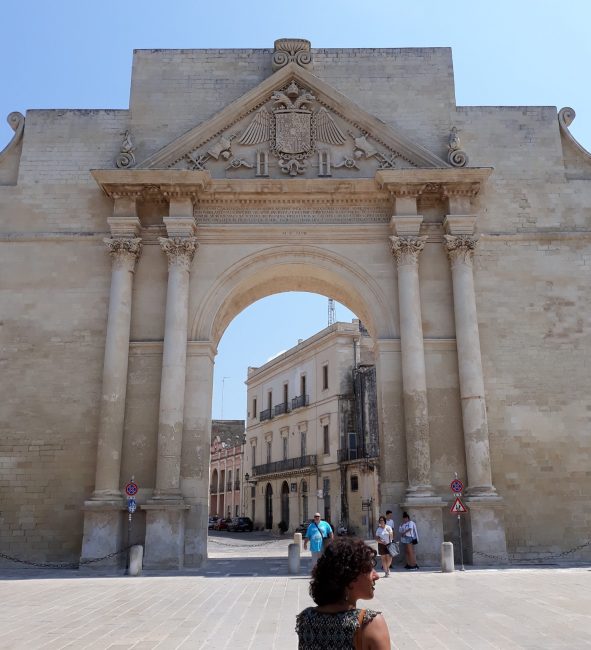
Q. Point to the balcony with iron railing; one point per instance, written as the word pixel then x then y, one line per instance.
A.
pixel 285 465
pixel 229 486
pixel 267 414
pixel 345 455
pixel 213 489
pixel 236 485
pixel 299 401
pixel 281 409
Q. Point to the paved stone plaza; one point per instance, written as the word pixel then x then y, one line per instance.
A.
pixel 246 599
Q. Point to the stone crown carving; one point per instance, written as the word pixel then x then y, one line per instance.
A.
pixel 406 250
pixel 124 252
pixel 460 248
pixel 296 50
pixel 179 250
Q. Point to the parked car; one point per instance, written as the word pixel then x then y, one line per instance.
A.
pixel 221 524
pixel 241 525
pixel 211 522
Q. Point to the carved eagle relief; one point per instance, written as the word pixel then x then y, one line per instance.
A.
pixel 292 127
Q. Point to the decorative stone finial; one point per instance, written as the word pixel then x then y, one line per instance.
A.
pixel 292 49
pixel 455 155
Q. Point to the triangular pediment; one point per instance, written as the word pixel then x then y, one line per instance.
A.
pixel 292 124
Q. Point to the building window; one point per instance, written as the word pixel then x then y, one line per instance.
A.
pixel 285 395
pixel 254 407
pixel 268 451
pixel 285 442
pixel 326 439
pixel 354 483
pixel 270 400
pixel 303 444
pixel 325 377
pixel 236 512
pixel 303 385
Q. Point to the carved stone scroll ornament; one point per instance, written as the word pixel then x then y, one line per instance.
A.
pixel 566 116
pixel 288 50
pixel 455 155
pixel 460 248
pixel 406 250
pixel 17 124
pixel 126 157
pixel 179 250
pixel 124 252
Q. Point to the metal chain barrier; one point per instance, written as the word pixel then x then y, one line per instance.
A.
pixel 64 565
pixel 544 558
pixel 215 541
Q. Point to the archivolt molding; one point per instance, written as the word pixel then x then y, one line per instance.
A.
pixel 566 116
pixel 291 268
pixel 17 124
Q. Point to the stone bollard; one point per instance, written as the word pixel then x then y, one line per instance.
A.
pixel 297 539
pixel 293 559
pixel 447 557
pixel 136 558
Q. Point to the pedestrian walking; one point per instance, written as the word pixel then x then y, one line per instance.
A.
pixel 409 537
pixel 319 534
pixel 384 535
pixel 344 574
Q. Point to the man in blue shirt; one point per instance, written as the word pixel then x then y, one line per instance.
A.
pixel 317 532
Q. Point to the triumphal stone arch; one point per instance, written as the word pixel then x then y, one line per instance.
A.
pixel 130 239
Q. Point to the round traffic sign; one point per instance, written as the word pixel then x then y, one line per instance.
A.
pixel 131 489
pixel 456 485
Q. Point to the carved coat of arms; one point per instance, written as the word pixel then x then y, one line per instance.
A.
pixel 292 128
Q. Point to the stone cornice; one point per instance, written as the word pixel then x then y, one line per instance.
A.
pixel 465 181
pixel 148 184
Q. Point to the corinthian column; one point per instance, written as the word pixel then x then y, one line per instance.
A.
pixel 180 252
pixel 406 250
pixel 124 254
pixel 460 250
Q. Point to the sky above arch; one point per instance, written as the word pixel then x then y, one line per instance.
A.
pixel 74 54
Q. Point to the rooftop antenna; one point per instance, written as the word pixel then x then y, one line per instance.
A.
pixel 331 312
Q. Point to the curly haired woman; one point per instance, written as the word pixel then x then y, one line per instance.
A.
pixel 344 574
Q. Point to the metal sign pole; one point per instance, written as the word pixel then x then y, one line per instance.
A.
pixel 461 545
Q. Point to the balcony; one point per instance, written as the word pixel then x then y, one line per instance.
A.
pixel 267 414
pixel 229 486
pixel 236 485
pixel 299 401
pixel 345 455
pixel 280 409
pixel 213 489
pixel 285 465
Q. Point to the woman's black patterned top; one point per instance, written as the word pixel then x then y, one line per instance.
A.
pixel 319 631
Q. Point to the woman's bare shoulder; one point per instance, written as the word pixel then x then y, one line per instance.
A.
pixel 375 634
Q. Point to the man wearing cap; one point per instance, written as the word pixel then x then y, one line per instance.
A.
pixel 318 531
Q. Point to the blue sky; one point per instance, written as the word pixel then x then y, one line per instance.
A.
pixel 66 54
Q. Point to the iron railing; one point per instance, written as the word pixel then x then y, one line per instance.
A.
pixel 299 401
pixel 282 408
pixel 267 414
pixel 285 465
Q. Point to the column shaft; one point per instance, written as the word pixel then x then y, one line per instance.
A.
pixel 461 251
pixel 124 253
pixel 180 253
pixel 407 250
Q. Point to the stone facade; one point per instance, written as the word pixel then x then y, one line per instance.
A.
pixel 310 436
pixel 460 236
pixel 226 468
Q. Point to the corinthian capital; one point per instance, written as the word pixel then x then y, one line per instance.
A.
pixel 179 250
pixel 406 250
pixel 124 252
pixel 460 248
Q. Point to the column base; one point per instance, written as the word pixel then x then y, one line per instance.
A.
pixel 165 535
pixel 486 531
pixel 103 534
pixel 426 512
pixel 195 551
